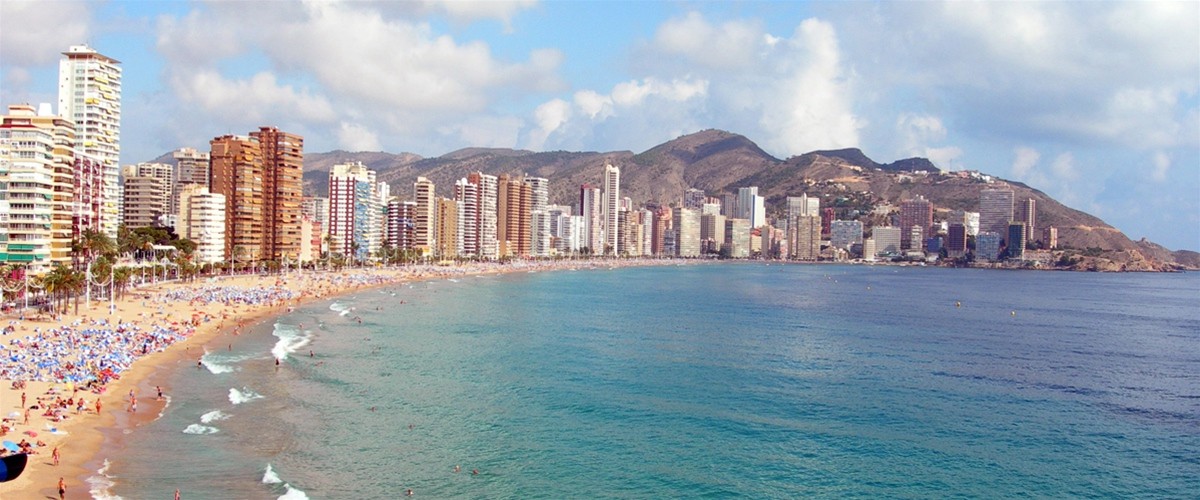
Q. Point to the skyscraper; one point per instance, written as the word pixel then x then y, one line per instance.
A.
pixel 237 174
pixel 687 232
pixel 447 236
pixel 750 206
pixel 425 217
pixel 539 219
pixel 148 193
pixel 1027 213
pixel 807 239
pixel 1015 243
pixel 484 192
pixel 467 195
pixel 89 94
pixel 283 170
pixel 611 208
pixel 917 212
pixel 354 211
pixel 202 220
pixel 513 202
pixel 36 187
pixel 845 233
pixel 589 208
pixel 995 210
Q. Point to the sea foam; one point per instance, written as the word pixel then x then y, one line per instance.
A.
pixel 101 484
pixel 213 416
pixel 238 397
pixel 290 493
pixel 200 429
pixel 291 339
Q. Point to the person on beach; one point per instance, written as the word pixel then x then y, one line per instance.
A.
pixel 62 489
pixel 22 400
pixel 160 394
pixel 176 493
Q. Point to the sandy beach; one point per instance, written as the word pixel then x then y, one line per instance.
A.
pixel 63 364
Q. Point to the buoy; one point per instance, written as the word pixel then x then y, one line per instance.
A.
pixel 1014 313
pixel 957 304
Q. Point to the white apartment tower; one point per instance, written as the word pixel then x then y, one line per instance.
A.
pixel 202 220
pixel 355 211
pixel 425 218
pixel 539 219
pixel 611 210
pixel 89 94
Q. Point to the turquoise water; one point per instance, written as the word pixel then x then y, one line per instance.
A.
pixel 779 381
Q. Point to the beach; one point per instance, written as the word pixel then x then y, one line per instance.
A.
pixel 112 359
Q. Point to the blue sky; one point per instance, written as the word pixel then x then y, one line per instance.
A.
pixel 1094 103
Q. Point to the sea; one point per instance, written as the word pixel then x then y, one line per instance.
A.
pixel 718 380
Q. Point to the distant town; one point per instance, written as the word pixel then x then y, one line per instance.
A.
pixel 240 204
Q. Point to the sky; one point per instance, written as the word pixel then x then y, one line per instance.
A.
pixel 1094 103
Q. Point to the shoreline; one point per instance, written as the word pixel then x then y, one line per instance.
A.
pixel 84 436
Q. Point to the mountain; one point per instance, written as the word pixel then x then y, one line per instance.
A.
pixel 719 162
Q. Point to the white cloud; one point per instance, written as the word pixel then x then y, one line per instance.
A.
pixel 1026 159
pixel 1162 163
pixel 257 100
pixel 355 137
pixel 549 117
pixel 36 32
pixel 728 46
pixel 1064 167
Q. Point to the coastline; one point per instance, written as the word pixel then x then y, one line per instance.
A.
pixel 86 440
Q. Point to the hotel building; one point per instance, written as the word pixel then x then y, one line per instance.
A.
pixel 89 95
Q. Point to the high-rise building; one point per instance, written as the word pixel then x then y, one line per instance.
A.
pixel 802 205
pixel 425 216
pixel 694 199
pixel 805 243
pixel 737 237
pixel 845 233
pixel 970 220
pixel 590 209
pixel 995 210
pixel 317 209
pixel 869 250
pixel 191 167
pixel 610 209
pixel 887 240
pixel 400 224
pixel 712 232
pixel 686 223
pixel 513 201
pixel 89 95
pixel 1050 238
pixel 237 174
pixel 539 219
pixel 479 193
pixel 355 211
pixel 36 187
pixel 956 241
pixel 1027 213
pixel 987 246
pixel 202 220
pixel 917 212
pixel 148 190
pixel 283 171
pixel 751 206
pixel 1015 243
pixel 447 238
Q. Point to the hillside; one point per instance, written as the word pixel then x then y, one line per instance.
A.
pixel 719 162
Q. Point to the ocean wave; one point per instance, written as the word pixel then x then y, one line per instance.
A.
pixel 270 477
pixel 344 313
pixel 209 361
pixel 200 429
pixel 339 307
pixel 166 404
pixel 238 397
pixel 293 494
pixel 100 484
pixel 213 416
pixel 291 339
pixel 290 493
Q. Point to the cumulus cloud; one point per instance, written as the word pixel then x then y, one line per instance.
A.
pixel 919 133
pixel 1064 167
pixel 36 32
pixel 381 63
pixel 355 137
pixel 1026 159
pixel 728 46
pixel 792 94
